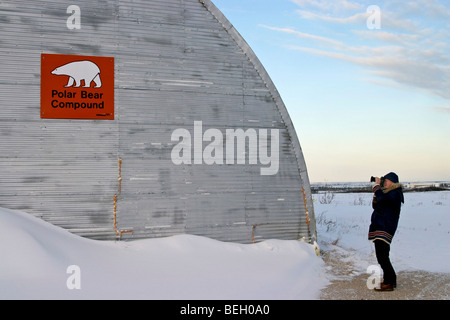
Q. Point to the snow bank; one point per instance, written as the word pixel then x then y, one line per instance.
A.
pixel 421 242
pixel 36 256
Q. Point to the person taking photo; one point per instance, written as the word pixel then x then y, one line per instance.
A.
pixel 386 204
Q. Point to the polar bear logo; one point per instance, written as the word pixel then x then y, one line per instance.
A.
pixel 80 70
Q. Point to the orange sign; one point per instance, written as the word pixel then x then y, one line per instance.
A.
pixel 77 87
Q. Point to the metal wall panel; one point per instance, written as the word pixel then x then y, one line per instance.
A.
pixel 176 62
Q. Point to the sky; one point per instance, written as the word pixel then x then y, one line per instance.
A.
pixel 366 83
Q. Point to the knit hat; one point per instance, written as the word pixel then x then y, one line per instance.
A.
pixel 392 176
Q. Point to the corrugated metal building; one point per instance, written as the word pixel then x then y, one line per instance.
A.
pixel 184 82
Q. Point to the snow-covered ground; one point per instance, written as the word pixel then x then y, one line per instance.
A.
pixel 422 240
pixel 41 261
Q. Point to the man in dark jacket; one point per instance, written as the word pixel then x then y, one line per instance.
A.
pixel 387 201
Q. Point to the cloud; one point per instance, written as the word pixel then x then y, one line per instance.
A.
pixel 412 48
pixel 445 110
pixel 389 20
pixel 384 36
pixel 324 40
pixel 330 5
pixel 403 68
pixel 431 9
pixel 356 18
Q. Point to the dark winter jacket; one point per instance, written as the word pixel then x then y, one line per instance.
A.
pixel 386 204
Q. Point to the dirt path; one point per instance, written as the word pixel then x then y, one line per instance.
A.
pixel 411 285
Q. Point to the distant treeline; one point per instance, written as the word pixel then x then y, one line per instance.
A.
pixel 361 188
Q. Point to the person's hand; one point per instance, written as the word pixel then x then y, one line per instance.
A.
pixel 377 185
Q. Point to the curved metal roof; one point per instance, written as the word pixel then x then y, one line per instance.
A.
pixel 186 85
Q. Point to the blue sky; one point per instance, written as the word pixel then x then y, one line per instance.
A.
pixel 366 96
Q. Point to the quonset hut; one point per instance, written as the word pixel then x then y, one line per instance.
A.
pixel 144 119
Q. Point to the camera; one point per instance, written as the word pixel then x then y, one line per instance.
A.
pixel 372 179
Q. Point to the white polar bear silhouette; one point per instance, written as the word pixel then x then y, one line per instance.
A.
pixel 80 70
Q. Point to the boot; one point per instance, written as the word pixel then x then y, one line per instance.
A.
pixel 385 287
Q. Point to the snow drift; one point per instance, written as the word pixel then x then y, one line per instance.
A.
pixel 35 256
pixel 42 261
